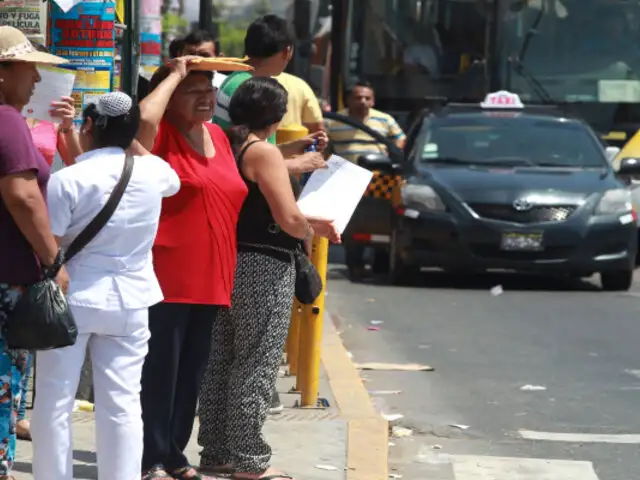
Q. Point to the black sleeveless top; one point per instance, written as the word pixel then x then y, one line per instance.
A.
pixel 256 225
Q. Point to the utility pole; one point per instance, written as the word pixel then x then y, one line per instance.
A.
pixel 206 16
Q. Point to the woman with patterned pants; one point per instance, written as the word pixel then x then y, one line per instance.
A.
pixel 248 339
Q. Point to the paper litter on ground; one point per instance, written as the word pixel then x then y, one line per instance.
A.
pixel 330 468
pixel 533 388
pixel 397 367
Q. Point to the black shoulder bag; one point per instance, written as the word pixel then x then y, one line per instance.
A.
pixel 41 319
pixel 308 281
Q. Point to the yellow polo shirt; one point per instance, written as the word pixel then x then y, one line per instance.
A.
pixel 303 106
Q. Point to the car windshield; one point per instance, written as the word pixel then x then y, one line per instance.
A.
pixel 485 139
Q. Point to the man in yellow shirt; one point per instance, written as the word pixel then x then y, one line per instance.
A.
pixel 351 143
pixel 303 107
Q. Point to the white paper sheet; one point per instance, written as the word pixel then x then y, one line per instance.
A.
pixel 334 193
pixel 55 83
pixel 67 5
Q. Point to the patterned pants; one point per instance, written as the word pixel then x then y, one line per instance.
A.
pixel 13 366
pixel 248 341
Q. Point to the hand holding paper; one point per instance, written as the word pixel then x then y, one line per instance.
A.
pixel 334 192
pixel 55 86
pixel 64 110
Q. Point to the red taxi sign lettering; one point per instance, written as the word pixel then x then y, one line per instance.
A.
pixel 502 99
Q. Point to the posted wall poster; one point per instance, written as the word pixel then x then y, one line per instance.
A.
pixel 29 16
pixel 85 36
pixel 150 37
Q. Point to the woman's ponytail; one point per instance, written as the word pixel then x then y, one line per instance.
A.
pixel 237 135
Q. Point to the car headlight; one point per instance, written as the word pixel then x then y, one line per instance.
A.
pixel 614 202
pixel 422 197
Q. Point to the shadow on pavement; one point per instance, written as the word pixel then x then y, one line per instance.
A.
pixel 479 281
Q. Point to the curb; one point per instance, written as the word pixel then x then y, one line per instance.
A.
pixel 368 432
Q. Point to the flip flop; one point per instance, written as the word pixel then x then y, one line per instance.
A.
pixel 157 473
pixel 181 473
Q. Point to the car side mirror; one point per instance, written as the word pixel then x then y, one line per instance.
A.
pixel 612 153
pixel 376 162
pixel 629 166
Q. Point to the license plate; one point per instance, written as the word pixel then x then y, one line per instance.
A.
pixel 522 242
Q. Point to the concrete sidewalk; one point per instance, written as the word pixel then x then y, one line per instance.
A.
pixel 346 441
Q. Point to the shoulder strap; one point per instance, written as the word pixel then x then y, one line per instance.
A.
pixel 240 155
pixel 101 219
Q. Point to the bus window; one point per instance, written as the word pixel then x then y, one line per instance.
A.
pixel 411 49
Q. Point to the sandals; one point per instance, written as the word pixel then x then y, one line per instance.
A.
pixel 157 473
pixel 181 474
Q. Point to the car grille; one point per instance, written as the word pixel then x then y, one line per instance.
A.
pixel 538 214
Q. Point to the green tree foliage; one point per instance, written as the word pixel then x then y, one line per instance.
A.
pixel 262 7
pixel 232 38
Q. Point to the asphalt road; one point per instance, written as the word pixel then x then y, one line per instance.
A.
pixel 577 344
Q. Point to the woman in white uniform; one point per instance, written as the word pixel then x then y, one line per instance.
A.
pixel 112 286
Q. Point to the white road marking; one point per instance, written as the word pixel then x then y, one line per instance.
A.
pixel 580 437
pixel 472 467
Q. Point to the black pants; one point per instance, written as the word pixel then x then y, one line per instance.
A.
pixel 171 377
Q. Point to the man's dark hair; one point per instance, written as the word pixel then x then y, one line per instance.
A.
pixel 360 84
pixel 175 47
pixel 267 36
pixel 164 71
pixel 197 37
pixel 256 105
pixel 117 132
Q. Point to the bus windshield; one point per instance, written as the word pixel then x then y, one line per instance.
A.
pixel 412 49
pixel 572 50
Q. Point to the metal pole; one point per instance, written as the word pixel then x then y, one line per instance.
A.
pixel 206 15
pixel 302 26
pixel 130 48
pixel 308 378
pixel 337 49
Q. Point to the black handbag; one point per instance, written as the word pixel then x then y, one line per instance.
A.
pixel 41 319
pixel 308 281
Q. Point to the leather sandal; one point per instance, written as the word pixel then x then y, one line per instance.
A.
pixel 157 473
pixel 182 473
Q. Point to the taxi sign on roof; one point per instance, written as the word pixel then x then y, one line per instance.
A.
pixel 502 99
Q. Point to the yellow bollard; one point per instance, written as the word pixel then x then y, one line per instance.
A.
pixel 289 133
pixel 311 332
pixel 285 134
pixel 293 339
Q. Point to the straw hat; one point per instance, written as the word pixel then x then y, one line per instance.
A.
pixel 15 47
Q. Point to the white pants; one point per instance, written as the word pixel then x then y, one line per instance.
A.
pixel 118 345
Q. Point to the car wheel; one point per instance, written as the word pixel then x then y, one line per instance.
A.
pixel 616 281
pixel 380 264
pixel 399 271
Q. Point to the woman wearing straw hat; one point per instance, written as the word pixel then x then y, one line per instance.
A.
pixel 27 245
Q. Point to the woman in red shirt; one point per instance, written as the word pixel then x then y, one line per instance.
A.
pixel 194 258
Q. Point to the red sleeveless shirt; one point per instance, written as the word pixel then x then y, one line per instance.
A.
pixel 195 250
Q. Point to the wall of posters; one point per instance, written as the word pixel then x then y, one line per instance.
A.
pixel 29 16
pixel 85 36
pixel 150 36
